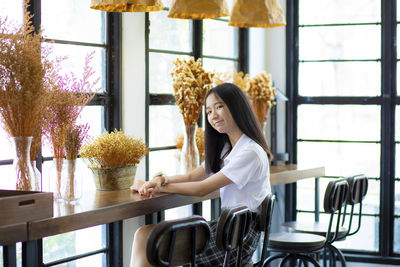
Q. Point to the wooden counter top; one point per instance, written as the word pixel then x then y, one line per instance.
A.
pixel 100 207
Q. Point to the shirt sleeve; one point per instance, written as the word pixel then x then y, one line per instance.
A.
pixel 242 167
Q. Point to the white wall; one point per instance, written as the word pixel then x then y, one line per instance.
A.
pixel 133 105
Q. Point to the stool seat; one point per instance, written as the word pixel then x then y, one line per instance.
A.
pixel 295 242
pixel 317 228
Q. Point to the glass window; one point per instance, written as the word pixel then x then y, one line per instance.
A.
pixel 341 159
pixel 218 37
pixel 73 20
pixel 339 11
pixel 73 243
pixel 339 122
pixel 160 72
pixel 340 78
pixel 13 10
pixel 219 65
pixel 169 34
pixel 165 125
pixel 340 42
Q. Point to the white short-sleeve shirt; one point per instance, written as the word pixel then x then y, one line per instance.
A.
pixel 247 167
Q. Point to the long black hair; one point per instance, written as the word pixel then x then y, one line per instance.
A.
pixel 239 106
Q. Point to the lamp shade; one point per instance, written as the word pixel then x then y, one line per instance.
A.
pixel 127 5
pixel 257 13
pixel 198 9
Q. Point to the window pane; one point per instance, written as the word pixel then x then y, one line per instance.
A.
pixel 218 65
pixel 340 78
pixel 72 20
pixel 339 11
pixel 341 159
pixel 165 160
pixel 73 243
pixel 8 179
pixel 340 42
pixel 13 10
pixel 366 239
pixel 169 34
pixel 219 39
pixel 339 122
pixel 6 147
pixel 76 59
pixel 397 233
pixel 166 124
pixel 160 72
pixel 306 195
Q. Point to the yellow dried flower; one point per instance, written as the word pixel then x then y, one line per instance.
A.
pixel 114 150
pixel 261 94
pixel 191 83
pixel 238 78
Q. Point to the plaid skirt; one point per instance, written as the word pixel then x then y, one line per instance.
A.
pixel 212 256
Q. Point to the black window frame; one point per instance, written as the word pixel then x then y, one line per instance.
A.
pixel 387 101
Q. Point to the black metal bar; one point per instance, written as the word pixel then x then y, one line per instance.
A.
pixel 333 100
pixel 152 149
pixel 221 58
pixel 243 50
pixel 197 38
pixel 35 9
pixel 113 114
pixel 172 52
pixel 316 200
pixel 386 231
pixel 10 256
pixel 291 105
pixel 147 93
pixel 32 253
pixel 371 259
pixel 161 99
pixel 56 41
pixel 114 244
pixel 340 60
pixel 197 208
pixel 339 24
pixel 364 214
pixel 76 257
pixel 215 208
pixel 338 141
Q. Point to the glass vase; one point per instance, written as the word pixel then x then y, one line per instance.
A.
pixel 71 181
pixel 25 176
pixel 55 178
pixel 189 153
pixel 38 177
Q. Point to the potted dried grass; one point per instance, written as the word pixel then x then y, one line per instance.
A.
pixel 113 159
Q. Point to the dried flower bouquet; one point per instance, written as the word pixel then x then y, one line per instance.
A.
pixel 191 83
pixel 25 73
pixel 114 150
pixel 261 94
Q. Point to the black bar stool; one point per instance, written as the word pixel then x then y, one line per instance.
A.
pixel 264 225
pixel 233 227
pixel 177 242
pixel 358 186
pixel 299 246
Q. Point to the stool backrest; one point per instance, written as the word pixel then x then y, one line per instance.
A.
pixel 177 242
pixel 264 224
pixel 358 187
pixel 334 200
pixel 233 227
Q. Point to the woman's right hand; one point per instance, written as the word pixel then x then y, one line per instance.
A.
pixel 151 187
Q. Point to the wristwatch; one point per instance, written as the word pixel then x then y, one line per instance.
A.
pixel 160 173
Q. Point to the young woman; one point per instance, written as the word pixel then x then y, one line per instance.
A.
pixel 236 162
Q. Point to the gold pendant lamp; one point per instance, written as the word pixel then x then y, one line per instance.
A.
pixel 198 9
pixel 257 13
pixel 127 5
